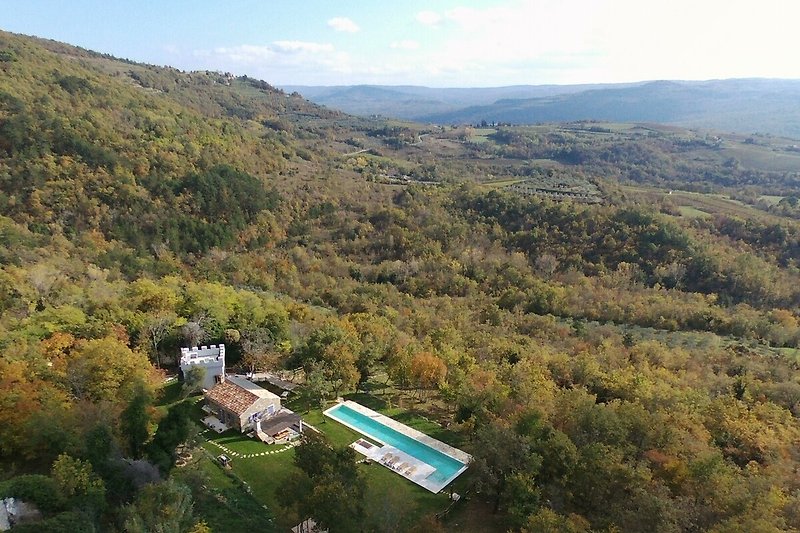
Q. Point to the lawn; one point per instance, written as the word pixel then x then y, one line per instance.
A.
pixel 388 496
pixel 221 500
pixel 169 394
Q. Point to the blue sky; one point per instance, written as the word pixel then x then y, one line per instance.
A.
pixel 466 43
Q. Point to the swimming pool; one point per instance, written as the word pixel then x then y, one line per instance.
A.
pixel 405 439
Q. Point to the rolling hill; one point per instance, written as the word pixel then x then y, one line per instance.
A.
pixel 629 364
pixel 415 102
pixel 736 105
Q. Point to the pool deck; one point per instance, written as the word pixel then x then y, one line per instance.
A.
pixel 401 463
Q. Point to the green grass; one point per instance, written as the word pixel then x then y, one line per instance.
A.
pixel 220 499
pixel 692 212
pixel 770 199
pixel 481 135
pixel 265 477
pixel 169 394
pixel 709 203
pixel 240 443
pixel 763 157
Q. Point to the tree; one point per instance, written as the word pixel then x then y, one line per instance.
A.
pixel 160 507
pixel 503 455
pixel 100 444
pixel 157 328
pixel 104 369
pixel 200 527
pixel 335 346
pixel 548 520
pixel 79 485
pixel 390 514
pixel 328 486
pixel 43 277
pixel 135 421
pixel 546 264
pixel 173 429
pixel 193 379
pixel 193 332
pixel 427 370
pixel 317 385
pixel 260 352
pixel 376 334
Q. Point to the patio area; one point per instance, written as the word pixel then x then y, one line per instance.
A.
pixel 395 460
pixel 213 423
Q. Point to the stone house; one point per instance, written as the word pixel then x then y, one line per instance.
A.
pixel 240 404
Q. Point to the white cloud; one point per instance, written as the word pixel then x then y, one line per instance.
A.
pixel 544 41
pixel 579 41
pixel 295 47
pixel 343 24
pixel 407 44
pixel 429 18
pixel 279 61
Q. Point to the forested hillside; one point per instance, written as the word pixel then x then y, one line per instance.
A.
pixel 746 106
pixel 742 106
pixel 629 365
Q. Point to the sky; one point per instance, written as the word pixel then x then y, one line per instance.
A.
pixel 447 43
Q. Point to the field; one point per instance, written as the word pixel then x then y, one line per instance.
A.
pixel 688 211
pixel 770 199
pixel 558 186
pixel 696 205
pixel 772 157
pixel 481 135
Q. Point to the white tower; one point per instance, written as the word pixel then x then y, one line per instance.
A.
pixel 212 358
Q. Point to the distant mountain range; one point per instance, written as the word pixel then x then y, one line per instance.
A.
pixel 736 105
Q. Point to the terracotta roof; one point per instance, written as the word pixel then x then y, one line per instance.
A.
pixel 232 397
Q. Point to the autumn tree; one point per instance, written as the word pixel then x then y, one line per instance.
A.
pixel 105 369
pixel 427 370
pixel 377 335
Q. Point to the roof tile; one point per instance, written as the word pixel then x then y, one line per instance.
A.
pixel 232 397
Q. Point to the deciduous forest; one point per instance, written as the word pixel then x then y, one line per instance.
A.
pixel 628 363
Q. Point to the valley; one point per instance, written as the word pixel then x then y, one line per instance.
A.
pixel 604 315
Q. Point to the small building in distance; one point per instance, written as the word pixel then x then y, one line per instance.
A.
pixel 211 358
pixel 240 404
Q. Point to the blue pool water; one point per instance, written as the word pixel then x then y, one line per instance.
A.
pixel 445 465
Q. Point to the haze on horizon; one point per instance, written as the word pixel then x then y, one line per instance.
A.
pixel 449 43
